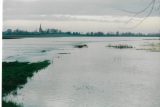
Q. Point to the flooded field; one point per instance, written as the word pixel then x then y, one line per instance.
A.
pixel 88 72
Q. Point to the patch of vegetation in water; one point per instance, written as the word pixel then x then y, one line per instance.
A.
pixel 81 46
pixel 43 51
pixel 153 47
pixel 64 53
pixel 120 46
pixel 15 74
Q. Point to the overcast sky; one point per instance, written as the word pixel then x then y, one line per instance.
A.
pixel 80 15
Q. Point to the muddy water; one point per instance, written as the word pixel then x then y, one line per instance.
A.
pixel 97 76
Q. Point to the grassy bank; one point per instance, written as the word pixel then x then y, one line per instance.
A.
pixel 9 104
pixel 15 74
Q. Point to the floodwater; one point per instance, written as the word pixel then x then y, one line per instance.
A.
pixel 97 76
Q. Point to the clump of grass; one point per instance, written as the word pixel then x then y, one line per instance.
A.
pixel 81 46
pixel 64 53
pixel 120 46
pixel 15 74
pixel 43 51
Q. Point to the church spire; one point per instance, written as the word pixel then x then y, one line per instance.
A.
pixel 40 29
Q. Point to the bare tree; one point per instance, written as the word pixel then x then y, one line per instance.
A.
pixel 153 6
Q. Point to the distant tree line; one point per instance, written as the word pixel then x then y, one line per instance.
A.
pixel 91 34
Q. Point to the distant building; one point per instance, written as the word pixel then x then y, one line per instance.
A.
pixel 40 29
pixel 53 30
pixel 17 30
pixel 9 31
pixel 99 33
pixel 117 33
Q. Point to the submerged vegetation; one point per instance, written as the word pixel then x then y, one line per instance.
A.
pixel 120 46
pixel 43 51
pixel 153 47
pixel 64 53
pixel 81 46
pixel 15 74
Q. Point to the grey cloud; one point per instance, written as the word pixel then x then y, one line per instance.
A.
pixel 18 9
pixel 78 15
pixel 109 19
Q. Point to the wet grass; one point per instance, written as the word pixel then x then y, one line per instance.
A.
pixel 120 46
pixel 15 74
pixel 10 104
